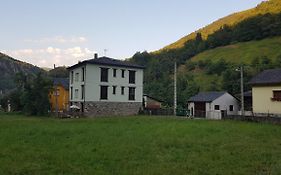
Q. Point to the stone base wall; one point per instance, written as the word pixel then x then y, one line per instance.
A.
pixel 93 109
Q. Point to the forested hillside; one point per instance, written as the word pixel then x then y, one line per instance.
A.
pixel 9 67
pixel 214 72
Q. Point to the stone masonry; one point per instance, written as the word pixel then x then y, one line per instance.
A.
pixel 93 109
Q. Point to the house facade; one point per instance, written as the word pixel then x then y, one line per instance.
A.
pixel 266 92
pixel 105 86
pixel 213 105
pixel 59 95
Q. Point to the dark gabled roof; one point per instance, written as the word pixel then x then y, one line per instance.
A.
pixel 108 62
pixel 271 76
pixel 61 81
pixel 153 98
pixel 206 96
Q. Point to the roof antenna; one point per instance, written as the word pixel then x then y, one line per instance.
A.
pixel 105 50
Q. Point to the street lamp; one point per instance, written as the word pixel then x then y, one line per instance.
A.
pixel 241 88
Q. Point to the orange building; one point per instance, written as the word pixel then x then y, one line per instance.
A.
pixel 62 85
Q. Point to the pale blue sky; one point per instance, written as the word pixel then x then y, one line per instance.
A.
pixel 65 31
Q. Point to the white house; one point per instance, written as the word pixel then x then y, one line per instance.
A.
pixel 213 105
pixel 105 86
pixel 266 92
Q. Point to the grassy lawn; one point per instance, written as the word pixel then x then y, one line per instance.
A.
pixel 137 145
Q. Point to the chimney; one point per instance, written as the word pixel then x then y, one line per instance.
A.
pixel 96 55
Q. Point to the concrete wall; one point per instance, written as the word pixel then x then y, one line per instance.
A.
pixel 262 102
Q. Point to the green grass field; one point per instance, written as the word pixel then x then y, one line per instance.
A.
pixel 137 145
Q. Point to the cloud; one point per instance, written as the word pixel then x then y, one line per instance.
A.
pixel 47 57
pixel 58 39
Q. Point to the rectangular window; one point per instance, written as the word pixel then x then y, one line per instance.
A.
pixel 132 93
pixel 77 77
pixel 114 72
pixel 103 92
pixel 56 92
pixel 104 74
pixel 82 92
pixel 217 107
pixel 132 77
pixel 122 90
pixel 83 74
pixel 71 79
pixel 276 95
pixel 76 93
pixel 71 93
pixel 123 73
pixel 231 108
pixel 114 90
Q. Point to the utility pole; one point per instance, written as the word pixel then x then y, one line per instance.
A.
pixel 56 93
pixel 242 90
pixel 175 90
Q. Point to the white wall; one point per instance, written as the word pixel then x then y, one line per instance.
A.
pixel 93 83
pixel 190 107
pixel 76 85
pixel 225 101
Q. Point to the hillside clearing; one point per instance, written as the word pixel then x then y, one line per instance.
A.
pixel 137 145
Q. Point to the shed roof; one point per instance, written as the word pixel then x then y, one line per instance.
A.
pixel 206 96
pixel 109 62
pixel 61 81
pixel 271 76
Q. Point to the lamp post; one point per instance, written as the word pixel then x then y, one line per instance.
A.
pixel 175 90
pixel 242 88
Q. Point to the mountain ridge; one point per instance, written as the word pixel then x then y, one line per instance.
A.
pixel 9 67
pixel 271 6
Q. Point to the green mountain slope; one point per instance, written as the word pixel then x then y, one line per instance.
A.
pixel 9 67
pixel 271 6
pixel 243 52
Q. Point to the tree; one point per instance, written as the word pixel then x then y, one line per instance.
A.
pixel 34 94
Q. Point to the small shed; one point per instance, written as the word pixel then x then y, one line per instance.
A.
pixel 151 102
pixel 213 105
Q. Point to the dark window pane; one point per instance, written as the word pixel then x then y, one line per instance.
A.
pixel 114 72
pixel 104 74
pixel 113 90
pixel 277 94
pixel 71 77
pixel 132 77
pixel 83 74
pixel 217 107
pixel 103 92
pixel 71 93
pixel 231 108
pixel 122 90
pixel 82 91
pixel 132 93
pixel 123 73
